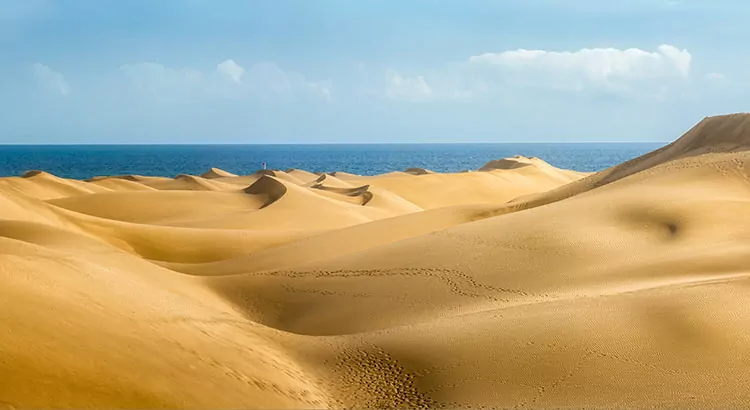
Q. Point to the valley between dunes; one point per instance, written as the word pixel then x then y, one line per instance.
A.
pixel 518 285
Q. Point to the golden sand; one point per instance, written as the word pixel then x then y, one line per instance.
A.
pixel 517 285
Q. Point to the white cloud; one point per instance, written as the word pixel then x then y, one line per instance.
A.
pixel 616 69
pixel 413 89
pixel 232 70
pixel 631 73
pixel 264 80
pixel 51 79
pixel 323 89
pixel 269 81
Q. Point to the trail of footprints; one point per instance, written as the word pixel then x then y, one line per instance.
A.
pixel 324 292
pixel 458 282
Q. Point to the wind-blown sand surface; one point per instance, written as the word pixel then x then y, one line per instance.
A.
pixel 517 285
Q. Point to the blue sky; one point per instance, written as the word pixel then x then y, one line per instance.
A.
pixel 309 71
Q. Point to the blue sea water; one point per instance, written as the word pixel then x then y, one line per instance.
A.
pixel 86 161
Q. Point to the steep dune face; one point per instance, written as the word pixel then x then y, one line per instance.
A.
pixel 713 135
pixel 622 289
pixel 268 188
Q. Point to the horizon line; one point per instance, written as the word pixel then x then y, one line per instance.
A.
pixel 320 143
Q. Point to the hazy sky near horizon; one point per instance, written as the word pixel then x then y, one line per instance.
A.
pixel 307 71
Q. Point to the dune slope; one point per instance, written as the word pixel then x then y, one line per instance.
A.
pixel 718 134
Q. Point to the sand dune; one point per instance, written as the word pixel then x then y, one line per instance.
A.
pixel 96 329
pixel 507 163
pixel 163 208
pixel 335 243
pixel 433 190
pixel 521 285
pixel 330 181
pixel 184 182
pixel 130 177
pixel 217 173
pixel 713 135
pixel 118 184
pixel 304 176
pixel 42 185
pixel 418 171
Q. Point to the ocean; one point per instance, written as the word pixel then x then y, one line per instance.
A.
pixel 86 161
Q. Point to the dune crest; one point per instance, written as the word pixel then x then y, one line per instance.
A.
pixel 716 135
pixel 268 187
pixel 520 286
pixel 217 173
pixel 303 176
pixel 33 173
pixel 418 171
pixel 43 185
pixel 507 163
pixel 117 184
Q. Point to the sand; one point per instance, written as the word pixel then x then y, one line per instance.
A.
pixel 517 285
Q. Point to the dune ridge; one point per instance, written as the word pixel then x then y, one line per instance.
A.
pixel 722 134
pixel 268 187
pixel 217 173
pixel 516 285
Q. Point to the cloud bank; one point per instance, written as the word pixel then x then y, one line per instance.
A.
pixel 263 80
pixel 232 70
pixel 629 72
pixel 413 89
pixel 50 79
pixel 590 67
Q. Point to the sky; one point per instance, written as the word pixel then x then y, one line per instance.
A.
pixel 367 71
